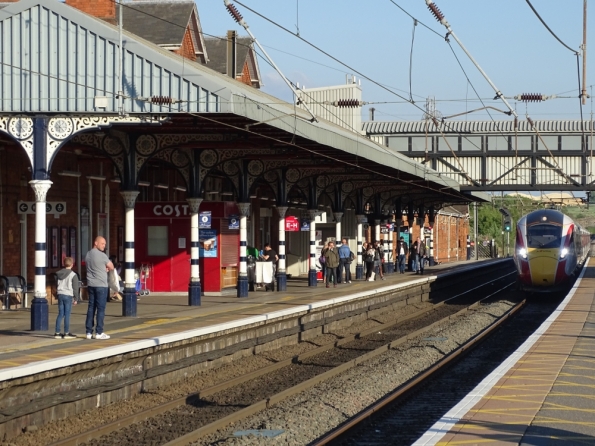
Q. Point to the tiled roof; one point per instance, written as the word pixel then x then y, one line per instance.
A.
pixel 217 50
pixel 160 22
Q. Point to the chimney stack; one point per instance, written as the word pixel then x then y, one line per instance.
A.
pixel 232 69
pixel 102 9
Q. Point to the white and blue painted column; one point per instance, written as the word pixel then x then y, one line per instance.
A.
pixel 39 305
pixel 129 300
pixel 389 255
pixel 432 261
pixel 359 268
pixel 282 272
pixel 194 287
pixel 244 209
pixel 376 230
pixel 312 276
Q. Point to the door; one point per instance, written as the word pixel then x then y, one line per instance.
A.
pixel 180 254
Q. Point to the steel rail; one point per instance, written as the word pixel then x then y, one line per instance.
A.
pixel 267 403
pixel 118 424
pixel 415 382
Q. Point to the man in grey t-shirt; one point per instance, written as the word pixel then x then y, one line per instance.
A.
pixel 98 265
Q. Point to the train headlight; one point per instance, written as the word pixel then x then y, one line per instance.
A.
pixel 563 252
pixel 523 253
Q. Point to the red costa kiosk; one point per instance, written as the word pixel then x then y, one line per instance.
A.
pixel 162 243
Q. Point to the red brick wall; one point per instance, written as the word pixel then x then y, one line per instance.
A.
pixel 245 77
pixel 14 181
pixel 187 49
pixel 103 9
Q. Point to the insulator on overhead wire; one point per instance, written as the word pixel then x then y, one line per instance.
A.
pixel 348 103
pixel 161 100
pixel 530 97
pixel 435 11
pixel 234 12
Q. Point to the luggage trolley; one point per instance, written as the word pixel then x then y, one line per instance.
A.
pixel 142 276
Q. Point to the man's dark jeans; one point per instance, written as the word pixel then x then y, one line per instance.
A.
pixel 97 302
pixel 344 271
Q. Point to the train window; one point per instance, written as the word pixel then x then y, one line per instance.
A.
pixel 544 236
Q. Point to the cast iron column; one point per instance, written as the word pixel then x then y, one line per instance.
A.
pixel 359 268
pixel 243 277
pixel 390 263
pixel 281 273
pixel 194 287
pixel 432 261
pixel 129 301
pixel 312 276
pixel 39 305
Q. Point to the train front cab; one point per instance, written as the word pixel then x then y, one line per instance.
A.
pixel 547 254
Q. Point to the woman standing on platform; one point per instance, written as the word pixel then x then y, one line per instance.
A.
pixel 369 252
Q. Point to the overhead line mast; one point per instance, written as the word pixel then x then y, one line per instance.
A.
pixel 440 17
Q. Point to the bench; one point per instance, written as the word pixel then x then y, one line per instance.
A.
pixel 13 291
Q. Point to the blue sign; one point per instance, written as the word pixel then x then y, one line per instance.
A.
pixel 204 220
pixel 304 224
pixel 207 241
pixel 405 236
pixel 234 222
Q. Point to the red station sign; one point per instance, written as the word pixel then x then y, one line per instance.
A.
pixel 292 224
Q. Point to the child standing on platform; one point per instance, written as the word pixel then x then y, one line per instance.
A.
pixel 68 291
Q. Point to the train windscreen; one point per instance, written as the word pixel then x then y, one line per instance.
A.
pixel 544 236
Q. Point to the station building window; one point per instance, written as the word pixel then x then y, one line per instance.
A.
pixel 157 241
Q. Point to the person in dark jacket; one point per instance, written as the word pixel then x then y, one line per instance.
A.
pixel 418 251
pixel 402 252
pixel 331 263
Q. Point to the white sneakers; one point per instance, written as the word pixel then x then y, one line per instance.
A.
pixel 99 336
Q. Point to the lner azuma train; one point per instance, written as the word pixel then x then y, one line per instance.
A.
pixel 550 249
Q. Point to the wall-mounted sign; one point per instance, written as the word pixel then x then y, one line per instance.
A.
pixel 234 222
pixel 304 224
pixel 51 207
pixel 204 220
pixel 292 224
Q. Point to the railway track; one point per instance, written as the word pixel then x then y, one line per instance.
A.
pixel 404 415
pixel 194 416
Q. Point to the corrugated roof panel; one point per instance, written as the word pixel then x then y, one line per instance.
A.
pixel 392 127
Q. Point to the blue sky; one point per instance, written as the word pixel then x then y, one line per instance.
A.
pixel 375 37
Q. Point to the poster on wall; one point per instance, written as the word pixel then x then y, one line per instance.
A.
pixel 304 224
pixel 72 242
pixel 64 252
pixel 55 247
pixel 208 243
pixel 204 220
pixel 102 225
pixel 120 243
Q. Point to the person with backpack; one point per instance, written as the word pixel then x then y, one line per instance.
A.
pixel 331 262
pixel 68 292
pixel 344 271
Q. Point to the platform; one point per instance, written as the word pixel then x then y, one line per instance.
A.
pixel 543 394
pixel 166 318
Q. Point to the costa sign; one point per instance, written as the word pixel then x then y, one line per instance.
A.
pixel 170 210
pixel 162 210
